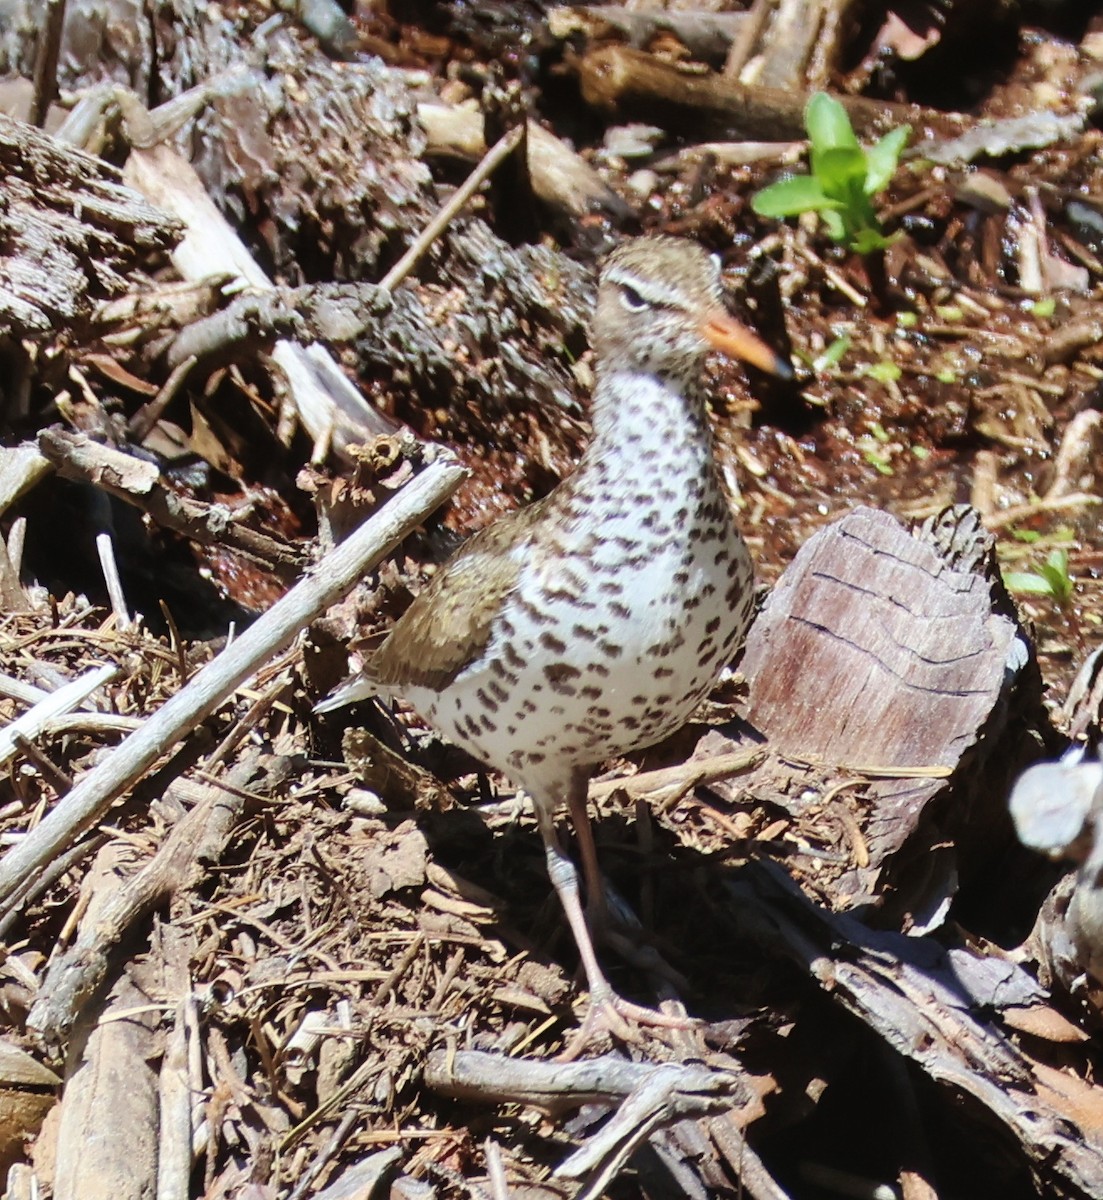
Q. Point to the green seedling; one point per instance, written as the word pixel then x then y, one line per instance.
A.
pixel 884 371
pixel 1051 579
pixel 844 178
pixel 832 356
pixel 878 462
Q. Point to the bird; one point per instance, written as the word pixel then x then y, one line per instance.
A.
pixel 592 622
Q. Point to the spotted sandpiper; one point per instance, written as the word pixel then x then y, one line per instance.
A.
pixel 592 622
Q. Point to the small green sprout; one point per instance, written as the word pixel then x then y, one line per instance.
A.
pixel 844 177
pixel 1044 308
pixel 878 462
pixel 907 320
pixel 1051 579
pixel 946 375
pixel 884 371
pixel 832 356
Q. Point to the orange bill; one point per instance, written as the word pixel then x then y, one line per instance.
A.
pixel 727 335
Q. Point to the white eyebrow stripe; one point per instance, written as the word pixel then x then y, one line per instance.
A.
pixel 666 296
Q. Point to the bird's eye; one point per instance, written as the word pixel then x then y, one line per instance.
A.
pixel 631 299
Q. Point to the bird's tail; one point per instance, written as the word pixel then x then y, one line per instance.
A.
pixel 349 692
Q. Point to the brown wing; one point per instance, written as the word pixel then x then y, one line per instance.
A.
pixel 449 623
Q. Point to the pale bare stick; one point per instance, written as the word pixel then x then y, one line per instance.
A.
pixel 496 155
pixel 334 576
pixel 105 548
pixel 32 723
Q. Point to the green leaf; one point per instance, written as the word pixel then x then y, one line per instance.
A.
pixel 883 159
pixel 841 171
pixel 827 124
pixel 1030 536
pixel 865 241
pixel 1051 579
pixel 1056 571
pixel 1027 583
pixel 836 228
pixel 791 197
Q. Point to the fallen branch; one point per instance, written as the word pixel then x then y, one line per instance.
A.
pixel 334 577
pixel 135 481
pixel 636 85
pixel 198 837
pixel 34 722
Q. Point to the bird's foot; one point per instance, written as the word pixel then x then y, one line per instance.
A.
pixel 620 1018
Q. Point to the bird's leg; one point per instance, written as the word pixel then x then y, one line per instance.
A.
pixel 645 958
pixel 596 908
pixel 607 1009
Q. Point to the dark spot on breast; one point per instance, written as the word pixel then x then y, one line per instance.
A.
pixel 734 594
pixel 561 677
pixel 713 625
pixel 552 643
pixel 558 594
pixel 534 613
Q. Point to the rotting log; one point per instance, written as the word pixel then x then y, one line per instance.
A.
pixel 71 233
pixel 638 86
pixel 882 673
